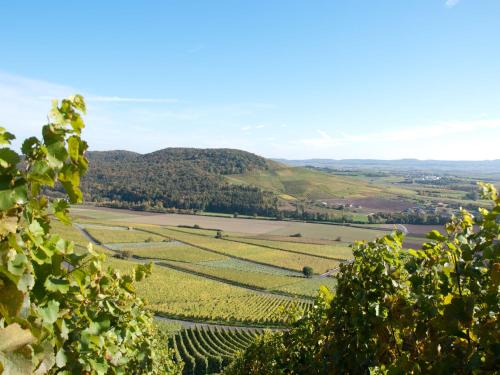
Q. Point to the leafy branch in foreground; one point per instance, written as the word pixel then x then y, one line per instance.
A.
pixel 60 310
pixel 429 311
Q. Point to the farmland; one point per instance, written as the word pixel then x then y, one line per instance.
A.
pixel 216 282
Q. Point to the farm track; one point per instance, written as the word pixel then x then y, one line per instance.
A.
pixel 194 324
pixel 91 238
pixel 287 250
pixel 161 263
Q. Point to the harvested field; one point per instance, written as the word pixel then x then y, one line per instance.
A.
pixel 239 225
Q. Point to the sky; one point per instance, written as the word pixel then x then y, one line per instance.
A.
pixel 335 79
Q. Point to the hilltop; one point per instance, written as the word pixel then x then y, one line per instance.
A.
pixel 184 178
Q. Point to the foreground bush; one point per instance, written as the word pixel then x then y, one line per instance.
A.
pixel 434 310
pixel 60 311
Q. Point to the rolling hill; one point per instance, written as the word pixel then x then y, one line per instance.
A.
pixel 303 183
pixel 217 180
pixel 183 178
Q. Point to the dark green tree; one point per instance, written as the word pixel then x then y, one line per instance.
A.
pixel 307 271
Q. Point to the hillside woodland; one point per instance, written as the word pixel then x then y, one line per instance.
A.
pixel 182 178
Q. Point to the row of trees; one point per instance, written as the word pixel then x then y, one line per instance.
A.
pixel 409 217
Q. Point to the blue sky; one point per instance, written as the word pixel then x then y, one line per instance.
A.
pixel 294 79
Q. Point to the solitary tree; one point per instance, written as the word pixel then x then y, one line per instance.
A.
pixel 307 271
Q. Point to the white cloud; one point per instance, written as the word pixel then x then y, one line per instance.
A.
pixel 440 131
pixel 451 3
pixel 247 128
pixel 138 126
pixel 119 99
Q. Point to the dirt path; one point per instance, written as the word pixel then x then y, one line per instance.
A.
pixel 333 270
pixel 194 324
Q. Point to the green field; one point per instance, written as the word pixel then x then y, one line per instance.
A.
pixel 278 258
pixel 172 250
pixel 311 184
pixel 114 235
pixel 337 251
pixel 331 232
pixel 183 295
pixel 202 285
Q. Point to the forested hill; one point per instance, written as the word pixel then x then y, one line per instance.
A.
pixel 184 178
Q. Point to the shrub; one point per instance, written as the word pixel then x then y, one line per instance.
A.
pixel 124 254
pixel 307 271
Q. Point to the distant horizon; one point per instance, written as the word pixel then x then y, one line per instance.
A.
pixel 303 160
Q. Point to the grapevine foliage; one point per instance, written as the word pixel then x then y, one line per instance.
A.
pixel 434 310
pixel 61 311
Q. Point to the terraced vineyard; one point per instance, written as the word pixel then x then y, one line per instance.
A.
pixel 109 235
pixel 208 350
pixel 335 252
pixel 204 285
pixel 249 278
pixel 274 257
pixel 214 264
pixel 186 296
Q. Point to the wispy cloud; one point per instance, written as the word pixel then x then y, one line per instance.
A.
pixel 139 124
pixel 451 3
pixel 410 134
pixel 120 99
pixel 252 127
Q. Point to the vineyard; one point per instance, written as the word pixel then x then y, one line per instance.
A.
pixel 215 259
pixel 207 350
pixel 172 293
pixel 274 257
pixel 225 289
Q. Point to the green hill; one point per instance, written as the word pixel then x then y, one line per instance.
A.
pixel 184 178
pixel 303 183
pixel 216 180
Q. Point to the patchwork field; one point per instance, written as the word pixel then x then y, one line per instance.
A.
pixel 312 232
pixel 218 282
